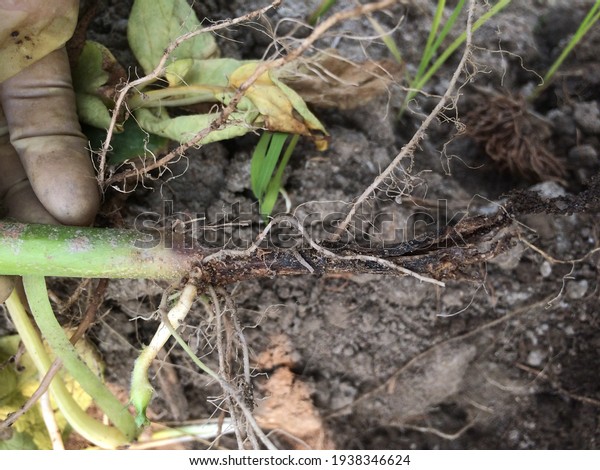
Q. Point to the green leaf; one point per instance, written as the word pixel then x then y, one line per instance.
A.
pixel 268 203
pixel 323 8
pixel 155 24
pixel 184 128
pixel 258 157
pixel 20 441
pixel 131 143
pixel 266 183
pixel 264 160
pixel 92 111
pixel 89 76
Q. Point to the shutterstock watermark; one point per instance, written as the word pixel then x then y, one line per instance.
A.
pixel 236 228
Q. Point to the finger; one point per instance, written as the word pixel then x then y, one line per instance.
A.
pixel 19 200
pixel 39 104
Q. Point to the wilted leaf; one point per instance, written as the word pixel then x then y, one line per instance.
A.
pixel 154 24
pixel 31 30
pixel 194 76
pixel 184 128
pixel 329 81
pixel 280 107
pixel 94 78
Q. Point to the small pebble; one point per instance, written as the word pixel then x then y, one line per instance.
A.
pixel 587 117
pixel 536 358
pixel 577 289
pixel 583 155
pixel 545 269
pixel 569 331
pixel 548 189
pixel 563 122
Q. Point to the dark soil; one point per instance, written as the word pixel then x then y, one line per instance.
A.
pixel 505 356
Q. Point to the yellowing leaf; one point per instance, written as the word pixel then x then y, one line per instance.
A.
pixel 281 108
pixel 19 381
pixel 214 72
pixel 31 30
pixel 18 441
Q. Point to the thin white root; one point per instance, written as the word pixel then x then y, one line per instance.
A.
pixel 50 422
pixel 176 316
pixel 409 149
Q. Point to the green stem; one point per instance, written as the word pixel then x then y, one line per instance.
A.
pixel 94 431
pixel 48 250
pixel 177 96
pixel 37 297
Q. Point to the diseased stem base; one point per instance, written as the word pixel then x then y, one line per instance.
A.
pixel 437 257
pixel 88 252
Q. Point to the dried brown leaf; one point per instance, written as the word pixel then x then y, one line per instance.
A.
pixel 329 81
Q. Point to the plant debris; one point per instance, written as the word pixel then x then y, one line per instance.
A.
pixel 514 138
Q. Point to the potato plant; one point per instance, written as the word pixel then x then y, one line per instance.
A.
pixel 192 73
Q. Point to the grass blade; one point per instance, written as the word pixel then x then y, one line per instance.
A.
pixel 386 38
pixel 429 46
pixel 590 19
pixel 449 24
pixel 268 203
pixel 264 161
pixel 323 8
pixel 458 42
